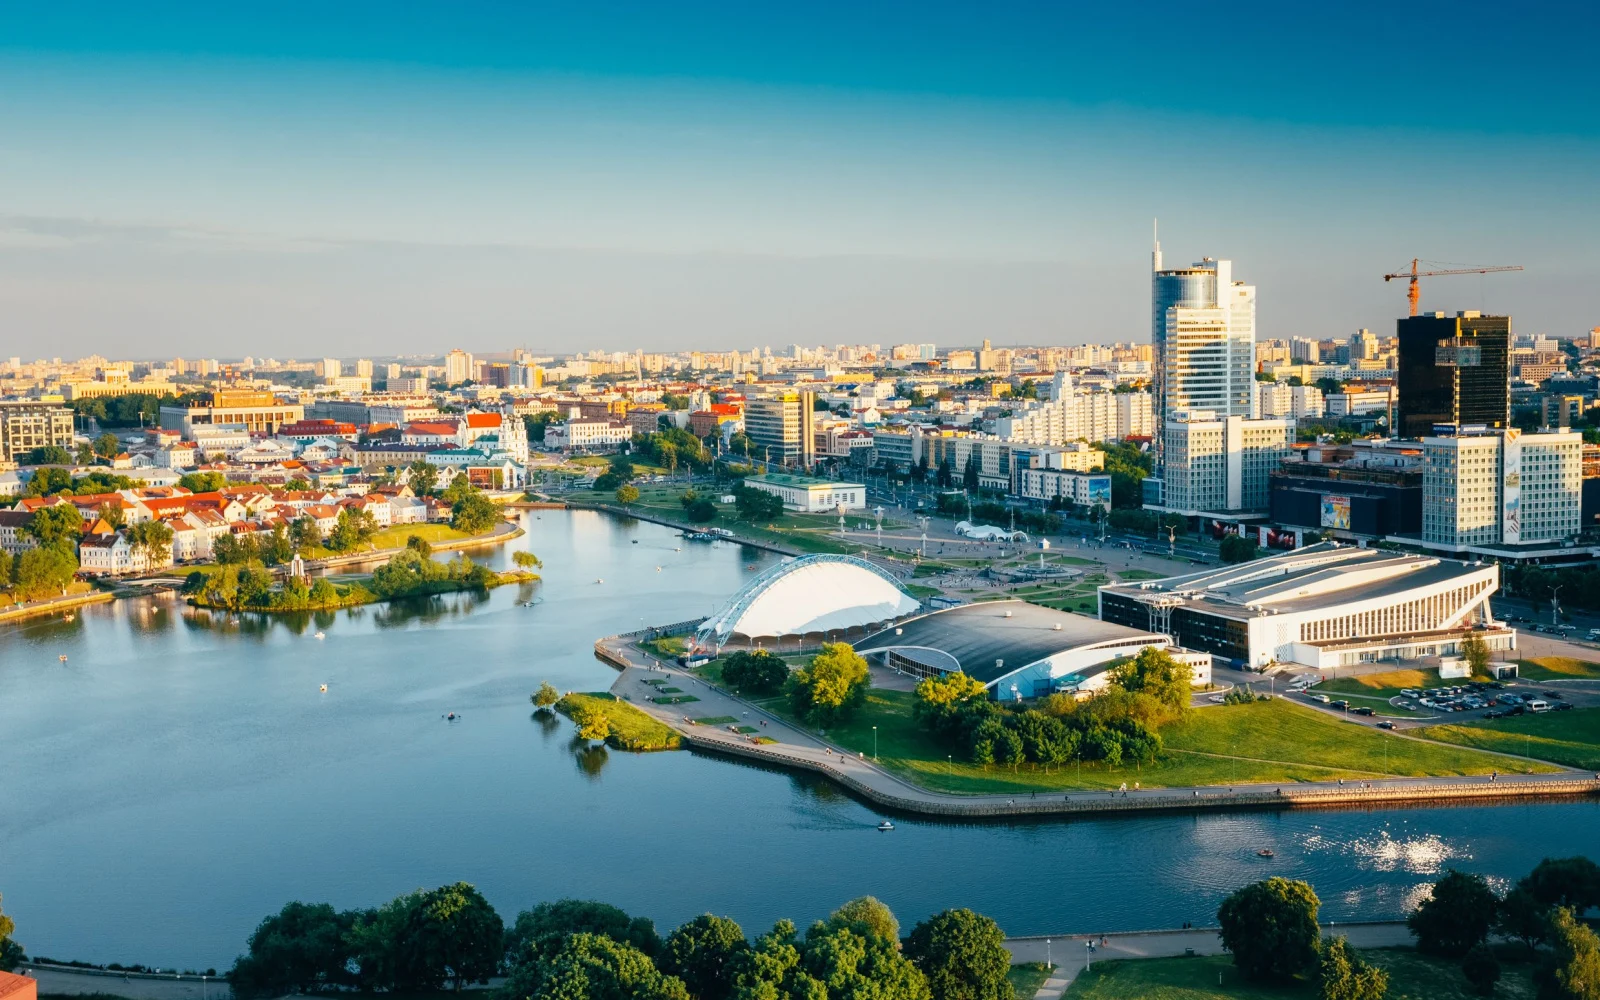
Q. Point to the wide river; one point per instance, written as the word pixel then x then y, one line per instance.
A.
pixel 179 777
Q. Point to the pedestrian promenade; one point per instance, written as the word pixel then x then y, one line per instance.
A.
pixel 794 747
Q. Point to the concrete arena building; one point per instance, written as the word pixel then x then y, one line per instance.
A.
pixel 1323 606
pixel 1017 649
pixel 815 598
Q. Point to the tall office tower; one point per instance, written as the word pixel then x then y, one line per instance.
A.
pixel 780 428
pixel 1363 345
pixel 458 367
pixel 1203 326
pixel 1454 370
pixel 1508 488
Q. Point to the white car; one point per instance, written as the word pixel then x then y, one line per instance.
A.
pixel 1322 698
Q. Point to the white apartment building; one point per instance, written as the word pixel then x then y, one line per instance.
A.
pixel 1280 399
pixel 588 435
pixel 458 367
pixel 1217 464
pixel 1070 415
pixel 1501 489
pixel 1358 402
pixel 812 496
pixel 1082 488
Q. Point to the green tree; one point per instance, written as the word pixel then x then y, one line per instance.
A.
pixel 949 689
pixel 1456 915
pixel 300 949
pixel 593 724
pixel 1570 882
pixel 1238 549
pixel 593 967
pixel 831 686
pixel 627 493
pixel 234 550
pixel 107 445
pixel 704 954
pixel 757 505
pixel 451 934
pixel 868 916
pixel 202 482
pixel 524 559
pixel 1271 928
pixel 11 953
pixel 701 511
pixel 1342 975
pixel 111 514
pixel 419 545
pixel 351 530
pixel 1154 672
pixel 424 477
pixel 1573 970
pixel 546 696
pixel 1481 969
pixel 755 672
pixel 848 963
pixel 1522 917
pixel 963 955
pixel 276 549
pixel 474 514
pixel 50 454
pixel 48 482
pixel 58 526
pixel 154 539
pixel 1476 653
pixel 537 934
pixel 305 535
pixel 42 572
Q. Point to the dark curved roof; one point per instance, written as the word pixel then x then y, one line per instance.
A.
pixel 979 634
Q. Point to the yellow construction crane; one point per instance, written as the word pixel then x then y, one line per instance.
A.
pixel 1414 294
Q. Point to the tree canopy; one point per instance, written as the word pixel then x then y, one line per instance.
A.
pixel 831 686
pixel 1456 915
pixel 754 672
pixel 963 955
pixel 473 514
pixel 1270 927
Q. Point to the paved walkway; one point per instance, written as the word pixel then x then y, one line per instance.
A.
pixel 135 986
pixel 1069 954
pixel 794 747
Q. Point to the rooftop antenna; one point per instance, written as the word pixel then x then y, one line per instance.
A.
pixel 1155 235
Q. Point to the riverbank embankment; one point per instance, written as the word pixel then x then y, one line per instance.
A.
pixel 56 605
pixel 798 749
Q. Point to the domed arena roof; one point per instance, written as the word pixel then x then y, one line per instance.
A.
pixel 811 594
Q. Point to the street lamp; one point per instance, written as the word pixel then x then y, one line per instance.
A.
pixel 1047 963
pixel 874 742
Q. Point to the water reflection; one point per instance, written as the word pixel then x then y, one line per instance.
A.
pixel 591 758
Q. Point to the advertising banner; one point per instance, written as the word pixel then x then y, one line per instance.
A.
pixel 1335 512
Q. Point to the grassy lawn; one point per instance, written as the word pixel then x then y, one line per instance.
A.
pixel 1026 978
pixel 715 720
pixel 920 592
pixel 1130 575
pixel 1550 668
pixel 674 699
pixel 631 729
pixel 1571 738
pixel 1411 977
pixel 1265 742
pixel 1385 685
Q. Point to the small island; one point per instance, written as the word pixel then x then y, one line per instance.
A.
pixel 411 572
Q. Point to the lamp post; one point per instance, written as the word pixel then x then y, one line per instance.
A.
pixel 1088 950
pixel 874 743
pixel 1047 963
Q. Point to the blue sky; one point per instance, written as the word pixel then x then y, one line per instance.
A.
pixel 287 179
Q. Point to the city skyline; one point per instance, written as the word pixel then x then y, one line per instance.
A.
pixel 715 177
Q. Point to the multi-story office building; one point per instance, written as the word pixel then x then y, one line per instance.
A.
pixel 26 426
pixel 1280 399
pixel 1454 370
pixel 1217 464
pixel 779 428
pixel 254 410
pixel 1504 489
pixel 1203 326
pixel 1370 488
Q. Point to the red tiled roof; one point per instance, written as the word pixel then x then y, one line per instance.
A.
pixel 14 985
pixel 483 420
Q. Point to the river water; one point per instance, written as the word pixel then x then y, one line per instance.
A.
pixel 181 775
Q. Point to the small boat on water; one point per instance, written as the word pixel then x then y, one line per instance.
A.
pixel 69 616
pixel 63 657
pixel 319 635
pixel 599 579
pixel 324 689
pixel 885 826
pixel 451 717
pixel 1265 852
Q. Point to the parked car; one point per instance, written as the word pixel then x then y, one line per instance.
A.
pixel 1538 705
pixel 1385 724
pixel 1322 698
pixel 1552 694
pixel 1340 704
pixel 1565 706
pixel 1363 710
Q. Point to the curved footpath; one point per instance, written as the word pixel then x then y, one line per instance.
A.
pixel 796 748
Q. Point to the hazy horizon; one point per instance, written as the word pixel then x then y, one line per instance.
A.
pixel 373 181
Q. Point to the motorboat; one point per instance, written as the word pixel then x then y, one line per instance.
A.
pixel 1265 852
pixel 319 635
pixel 451 717
pixel 885 826
pixel 599 579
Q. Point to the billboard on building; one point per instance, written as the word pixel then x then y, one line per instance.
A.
pixel 1511 505
pixel 1100 491
pixel 1335 512
pixel 1279 538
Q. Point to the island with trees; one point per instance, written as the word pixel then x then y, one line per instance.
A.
pixel 411 572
